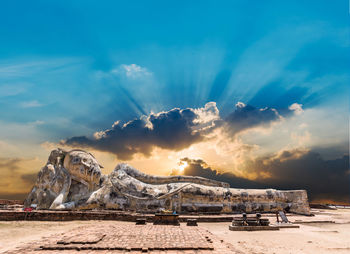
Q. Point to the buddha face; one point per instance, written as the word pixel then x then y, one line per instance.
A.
pixel 83 167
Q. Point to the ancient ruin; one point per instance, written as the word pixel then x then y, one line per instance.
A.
pixel 73 180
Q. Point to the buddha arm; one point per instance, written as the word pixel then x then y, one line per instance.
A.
pixel 150 179
pixel 62 196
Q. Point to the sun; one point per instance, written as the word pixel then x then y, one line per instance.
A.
pixel 182 166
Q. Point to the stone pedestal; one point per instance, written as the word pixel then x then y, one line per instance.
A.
pixel 141 221
pixel 252 228
pixel 249 223
pixel 191 222
pixel 166 219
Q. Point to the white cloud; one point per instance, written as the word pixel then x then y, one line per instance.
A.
pixel 301 139
pixel 240 105
pixel 132 71
pixel 208 114
pixel 297 108
pixel 31 104
pixel 13 89
pixel 27 67
pixel 36 123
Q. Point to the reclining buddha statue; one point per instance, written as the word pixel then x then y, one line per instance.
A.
pixel 73 180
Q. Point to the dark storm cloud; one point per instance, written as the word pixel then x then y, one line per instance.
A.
pixel 29 178
pixel 323 179
pixel 246 117
pixel 200 168
pixel 10 168
pixel 173 130
pixel 9 164
pixel 13 196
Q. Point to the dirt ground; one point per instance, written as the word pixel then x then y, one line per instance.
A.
pixel 323 237
pixel 16 233
pixel 326 232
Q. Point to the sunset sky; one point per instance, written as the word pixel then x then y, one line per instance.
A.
pixel 255 93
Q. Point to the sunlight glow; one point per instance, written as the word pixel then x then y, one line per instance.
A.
pixel 182 166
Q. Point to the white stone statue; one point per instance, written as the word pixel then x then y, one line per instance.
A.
pixel 73 180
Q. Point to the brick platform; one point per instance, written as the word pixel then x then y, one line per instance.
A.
pixel 126 238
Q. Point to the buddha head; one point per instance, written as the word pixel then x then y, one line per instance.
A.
pixel 83 167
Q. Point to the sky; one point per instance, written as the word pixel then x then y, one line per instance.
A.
pixel 255 93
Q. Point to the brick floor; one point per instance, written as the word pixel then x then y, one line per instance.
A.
pixel 129 238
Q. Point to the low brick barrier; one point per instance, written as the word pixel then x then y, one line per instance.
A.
pixel 46 215
pixel 10 202
pixel 63 216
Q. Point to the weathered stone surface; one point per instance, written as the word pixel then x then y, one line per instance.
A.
pixel 73 180
pixel 66 179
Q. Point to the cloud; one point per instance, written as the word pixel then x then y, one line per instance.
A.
pixel 132 71
pixel 246 117
pixel 36 123
pixel 297 108
pixel 17 176
pixel 324 179
pixel 201 168
pixel 31 104
pixel 6 148
pixel 175 129
pixel 13 196
pixel 29 178
pixel 13 89
pixel 19 69
pixel 293 169
pixel 9 164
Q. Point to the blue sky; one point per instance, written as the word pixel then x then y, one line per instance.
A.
pixel 70 69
